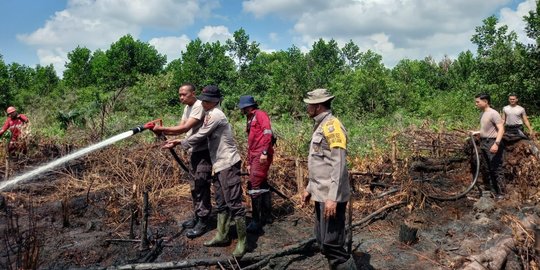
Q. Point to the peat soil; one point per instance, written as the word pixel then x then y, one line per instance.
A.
pixel 91 228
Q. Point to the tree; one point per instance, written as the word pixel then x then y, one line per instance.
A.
pixel 206 63
pixel 351 54
pixel 287 83
pixel 5 89
pixel 325 62
pixel 127 59
pixel 500 59
pixel 241 50
pixel 78 71
pixel 45 80
pixel 532 63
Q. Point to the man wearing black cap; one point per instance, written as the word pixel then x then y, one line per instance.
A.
pixel 201 165
pixel 328 182
pixel 226 168
pixel 259 157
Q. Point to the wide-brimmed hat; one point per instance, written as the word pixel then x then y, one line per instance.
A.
pixel 210 93
pixel 246 101
pixel 318 96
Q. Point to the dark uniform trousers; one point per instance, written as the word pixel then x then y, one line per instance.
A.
pixel 201 165
pixel 492 165
pixel 330 233
pixel 228 191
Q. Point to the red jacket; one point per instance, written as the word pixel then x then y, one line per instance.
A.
pixel 259 132
pixel 14 125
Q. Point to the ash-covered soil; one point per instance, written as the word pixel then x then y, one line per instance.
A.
pixel 80 216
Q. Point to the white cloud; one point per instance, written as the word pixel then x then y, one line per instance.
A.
pixel 215 33
pixel 514 19
pixel 285 8
pixel 57 57
pixel 273 36
pixel 96 24
pixel 170 46
pixel 395 29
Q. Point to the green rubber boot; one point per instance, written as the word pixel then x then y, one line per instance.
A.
pixel 240 249
pixel 222 234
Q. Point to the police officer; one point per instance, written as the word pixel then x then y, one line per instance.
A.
pixel 491 144
pixel 328 182
pixel 514 116
pixel 226 167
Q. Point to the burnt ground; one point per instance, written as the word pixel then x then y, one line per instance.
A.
pixel 80 216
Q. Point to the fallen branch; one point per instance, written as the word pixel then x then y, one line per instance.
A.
pixel 493 258
pixel 250 257
pixel 123 240
pixel 379 211
pixel 370 173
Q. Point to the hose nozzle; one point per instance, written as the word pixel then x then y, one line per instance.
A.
pixel 149 125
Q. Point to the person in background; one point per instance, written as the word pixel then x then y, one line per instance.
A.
pixel 328 182
pixel 14 123
pixel 226 168
pixel 514 117
pixel 491 144
pixel 260 153
pixel 201 165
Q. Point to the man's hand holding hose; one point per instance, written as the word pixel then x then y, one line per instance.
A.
pixel 171 143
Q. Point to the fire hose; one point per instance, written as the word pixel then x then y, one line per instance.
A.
pixel 471 186
pixel 150 125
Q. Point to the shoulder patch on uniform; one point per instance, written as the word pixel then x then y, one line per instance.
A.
pixel 334 134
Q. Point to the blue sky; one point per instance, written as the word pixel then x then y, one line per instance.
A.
pixel 44 31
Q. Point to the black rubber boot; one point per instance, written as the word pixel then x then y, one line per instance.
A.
pixel 266 208
pixel 199 229
pixel 190 223
pixel 255 224
pixel 348 265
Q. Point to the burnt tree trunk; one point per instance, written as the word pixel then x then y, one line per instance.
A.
pixel 144 228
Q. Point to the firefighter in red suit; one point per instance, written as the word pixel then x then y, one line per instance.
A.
pixel 14 123
pixel 259 157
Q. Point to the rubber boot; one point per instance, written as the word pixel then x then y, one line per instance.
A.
pixel 348 265
pixel 199 229
pixel 240 249
pixel 266 208
pixel 222 234
pixel 255 224
pixel 190 223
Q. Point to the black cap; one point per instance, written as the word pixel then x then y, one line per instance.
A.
pixel 210 93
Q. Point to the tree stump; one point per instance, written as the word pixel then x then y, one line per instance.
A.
pixel 407 234
pixel 65 213
pixel 145 243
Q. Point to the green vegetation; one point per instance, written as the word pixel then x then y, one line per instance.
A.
pixel 106 92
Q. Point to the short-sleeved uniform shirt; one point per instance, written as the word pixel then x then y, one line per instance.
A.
pixel 488 123
pixel 217 131
pixel 195 111
pixel 514 114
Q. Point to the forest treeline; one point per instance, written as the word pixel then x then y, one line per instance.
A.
pixel 106 91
